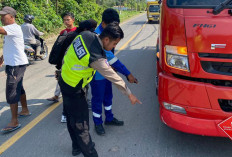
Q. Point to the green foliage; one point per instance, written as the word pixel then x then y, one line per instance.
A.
pixel 131 4
pixel 46 19
pixel 82 11
pixel 127 14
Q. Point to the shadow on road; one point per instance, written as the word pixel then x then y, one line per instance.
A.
pixel 184 144
pixel 2 68
pixel 50 76
pixel 4 106
pixel 29 102
pixel 153 22
pixel 138 23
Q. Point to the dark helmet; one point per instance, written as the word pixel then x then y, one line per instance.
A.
pixel 28 18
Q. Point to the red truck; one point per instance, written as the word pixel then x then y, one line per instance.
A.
pixel 194 65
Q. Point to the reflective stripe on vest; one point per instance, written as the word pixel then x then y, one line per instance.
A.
pixel 76 61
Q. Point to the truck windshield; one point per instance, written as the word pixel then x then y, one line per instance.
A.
pixel 154 8
pixel 195 3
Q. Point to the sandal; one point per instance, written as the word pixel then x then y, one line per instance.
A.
pixel 53 99
pixel 10 128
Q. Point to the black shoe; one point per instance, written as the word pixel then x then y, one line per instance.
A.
pixel 115 122
pixel 76 151
pixel 99 129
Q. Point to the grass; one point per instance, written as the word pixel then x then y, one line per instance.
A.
pixel 128 14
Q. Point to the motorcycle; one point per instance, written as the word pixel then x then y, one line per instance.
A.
pixel 30 51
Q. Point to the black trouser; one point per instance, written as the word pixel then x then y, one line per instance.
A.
pixel 14 83
pixel 76 107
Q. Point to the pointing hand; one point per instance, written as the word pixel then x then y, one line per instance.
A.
pixel 134 100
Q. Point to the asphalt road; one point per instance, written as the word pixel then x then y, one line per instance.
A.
pixel 143 134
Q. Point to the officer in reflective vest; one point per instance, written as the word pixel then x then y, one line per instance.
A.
pixel 84 56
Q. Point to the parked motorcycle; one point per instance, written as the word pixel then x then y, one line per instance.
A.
pixel 30 52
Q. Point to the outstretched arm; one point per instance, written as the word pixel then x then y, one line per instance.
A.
pixel 2 31
pixel 105 70
pixel 36 31
pixel 120 67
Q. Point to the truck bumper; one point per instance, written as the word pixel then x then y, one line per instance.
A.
pixel 153 19
pixel 200 118
pixel 191 125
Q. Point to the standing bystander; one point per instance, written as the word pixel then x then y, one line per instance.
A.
pixel 16 61
pixel 102 88
pixel 68 19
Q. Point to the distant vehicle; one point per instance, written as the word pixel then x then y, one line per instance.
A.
pixel 153 11
pixel 30 52
pixel 194 65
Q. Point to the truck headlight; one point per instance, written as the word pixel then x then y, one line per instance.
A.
pixel 177 57
pixel 174 108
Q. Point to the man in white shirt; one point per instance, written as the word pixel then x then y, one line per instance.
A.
pixel 16 61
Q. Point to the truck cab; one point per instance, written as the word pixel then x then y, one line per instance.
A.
pixel 195 65
pixel 153 11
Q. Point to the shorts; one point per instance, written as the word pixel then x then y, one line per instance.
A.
pixel 14 83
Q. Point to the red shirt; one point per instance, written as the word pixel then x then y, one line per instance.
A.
pixel 68 30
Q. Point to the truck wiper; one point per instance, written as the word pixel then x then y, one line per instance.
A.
pixel 221 7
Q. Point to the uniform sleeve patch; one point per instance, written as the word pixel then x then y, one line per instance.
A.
pixel 79 48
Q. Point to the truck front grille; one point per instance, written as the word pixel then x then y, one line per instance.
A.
pixel 215 55
pixel 226 105
pixel 155 16
pixel 216 67
pixel 222 68
pixel 224 83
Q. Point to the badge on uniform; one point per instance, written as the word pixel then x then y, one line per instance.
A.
pixel 79 48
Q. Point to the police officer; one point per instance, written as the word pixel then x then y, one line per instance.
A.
pixel 84 56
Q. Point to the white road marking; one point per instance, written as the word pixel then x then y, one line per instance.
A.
pixel 5 108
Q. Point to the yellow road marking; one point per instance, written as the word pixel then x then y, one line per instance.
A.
pixel 130 39
pixel 28 127
pixel 34 122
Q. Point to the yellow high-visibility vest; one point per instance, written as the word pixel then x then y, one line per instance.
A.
pixel 76 64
